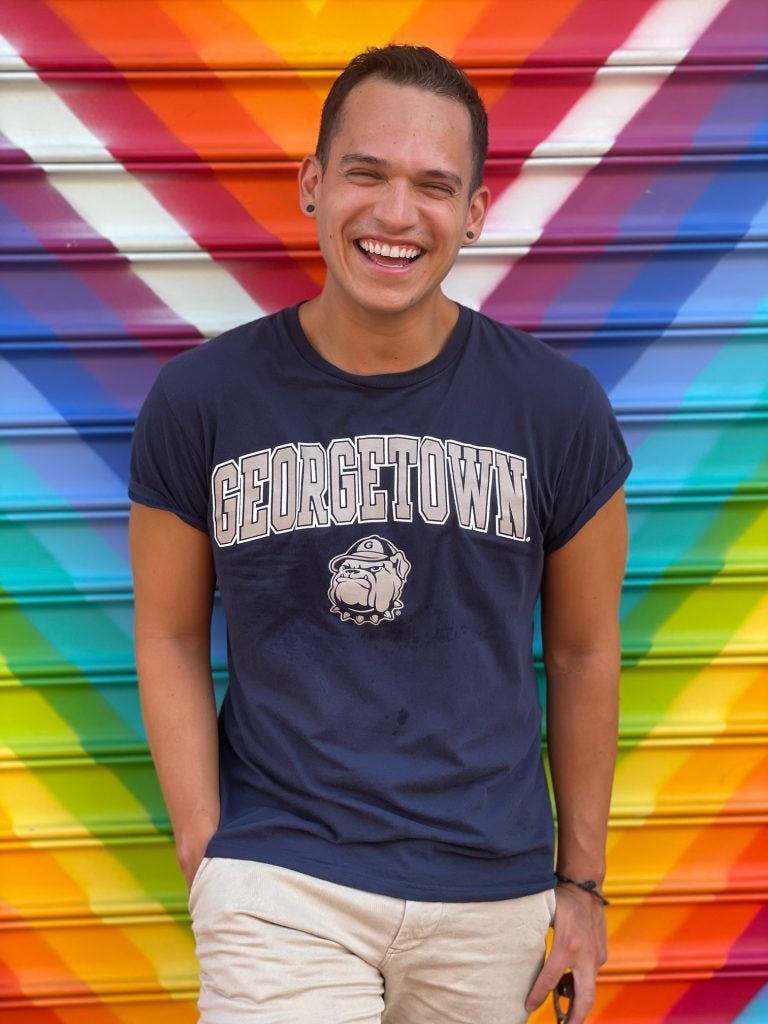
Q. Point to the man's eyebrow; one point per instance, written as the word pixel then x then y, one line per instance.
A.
pixel 364 158
pixel 377 161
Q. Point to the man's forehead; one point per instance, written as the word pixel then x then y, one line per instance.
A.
pixel 377 89
pixel 376 103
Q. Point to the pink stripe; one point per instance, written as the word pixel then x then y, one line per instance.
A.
pixel 118 118
pixel 205 208
pixel 37 33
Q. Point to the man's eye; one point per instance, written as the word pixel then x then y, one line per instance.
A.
pixel 366 175
pixel 438 188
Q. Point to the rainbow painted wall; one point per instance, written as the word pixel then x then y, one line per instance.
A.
pixel 148 151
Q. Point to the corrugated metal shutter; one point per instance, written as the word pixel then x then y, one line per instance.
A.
pixel 148 156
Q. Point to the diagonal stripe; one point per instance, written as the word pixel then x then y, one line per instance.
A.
pixel 677 22
pixel 40 115
pixel 609 104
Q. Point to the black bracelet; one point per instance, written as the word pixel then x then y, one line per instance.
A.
pixel 588 886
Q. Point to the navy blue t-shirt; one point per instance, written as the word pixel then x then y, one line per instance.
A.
pixel 379 543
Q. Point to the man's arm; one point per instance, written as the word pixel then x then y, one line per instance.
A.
pixel 580 632
pixel 174 582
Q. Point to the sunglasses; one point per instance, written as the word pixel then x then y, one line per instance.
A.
pixel 562 998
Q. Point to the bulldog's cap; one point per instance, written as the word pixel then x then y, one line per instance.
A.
pixel 369 549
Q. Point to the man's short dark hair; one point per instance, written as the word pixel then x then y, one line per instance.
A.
pixel 417 66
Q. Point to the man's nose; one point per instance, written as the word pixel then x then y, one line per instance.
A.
pixel 396 208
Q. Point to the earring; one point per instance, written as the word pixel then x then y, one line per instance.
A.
pixel 470 234
pixel 310 208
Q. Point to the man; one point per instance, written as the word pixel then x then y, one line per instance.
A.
pixel 382 483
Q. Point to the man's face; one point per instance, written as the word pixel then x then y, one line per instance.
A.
pixel 393 205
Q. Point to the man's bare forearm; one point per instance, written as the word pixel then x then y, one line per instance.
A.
pixel 580 635
pixel 174 581
pixel 582 731
pixel 180 716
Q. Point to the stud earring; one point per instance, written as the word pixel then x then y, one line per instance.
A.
pixel 470 234
pixel 310 208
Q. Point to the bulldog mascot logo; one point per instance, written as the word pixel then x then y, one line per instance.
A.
pixel 367 581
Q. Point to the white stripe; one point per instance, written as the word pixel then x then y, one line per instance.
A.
pixel 208 295
pixel 599 116
pixel 538 192
pixel 677 22
pixel 36 120
pixel 9 58
pixel 40 123
pixel 119 203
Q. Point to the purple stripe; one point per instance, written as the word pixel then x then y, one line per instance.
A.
pixel 88 298
pixel 688 108
pixel 32 199
pixel 740 30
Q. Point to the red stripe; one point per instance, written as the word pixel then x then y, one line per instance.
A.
pixel 698 1005
pixel 44 39
pixel 598 26
pixel 119 119
pixel 210 214
pixel 534 105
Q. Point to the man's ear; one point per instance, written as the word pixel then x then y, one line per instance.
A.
pixel 310 177
pixel 477 211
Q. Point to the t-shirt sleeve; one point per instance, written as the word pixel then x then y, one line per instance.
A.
pixel 597 464
pixel 167 460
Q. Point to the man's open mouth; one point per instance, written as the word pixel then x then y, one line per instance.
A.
pixel 385 255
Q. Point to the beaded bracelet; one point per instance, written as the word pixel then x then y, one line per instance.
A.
pixel 588 886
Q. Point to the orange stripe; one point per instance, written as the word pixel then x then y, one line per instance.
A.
pixel 428 26
pixel 751 866
pixel 749 709
pixel 646 1003
pixel 741 773
pixel 23 945
pixel 98 1011
pixel 297 102
pixel 753 784
pixel 639 934
pixel 146 32
pixel 710 930
pixel 735 847
pixel 221 36
pixel 34 892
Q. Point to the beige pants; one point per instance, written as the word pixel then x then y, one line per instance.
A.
pixel 280 947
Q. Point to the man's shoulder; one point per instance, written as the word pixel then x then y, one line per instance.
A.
pixel 225 357
pixel 526 356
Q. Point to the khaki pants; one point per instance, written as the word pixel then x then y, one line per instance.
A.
pixel 280 947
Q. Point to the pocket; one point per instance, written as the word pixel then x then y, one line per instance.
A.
pixel 551 899
pixel 196 879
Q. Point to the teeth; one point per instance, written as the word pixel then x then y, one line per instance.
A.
pixel 395 252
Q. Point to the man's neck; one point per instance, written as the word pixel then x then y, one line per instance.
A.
pixel 364 343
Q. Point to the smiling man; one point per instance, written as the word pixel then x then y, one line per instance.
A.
pixel 383 484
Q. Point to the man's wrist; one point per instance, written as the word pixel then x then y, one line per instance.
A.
pixel 587 885
pixel 582 863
